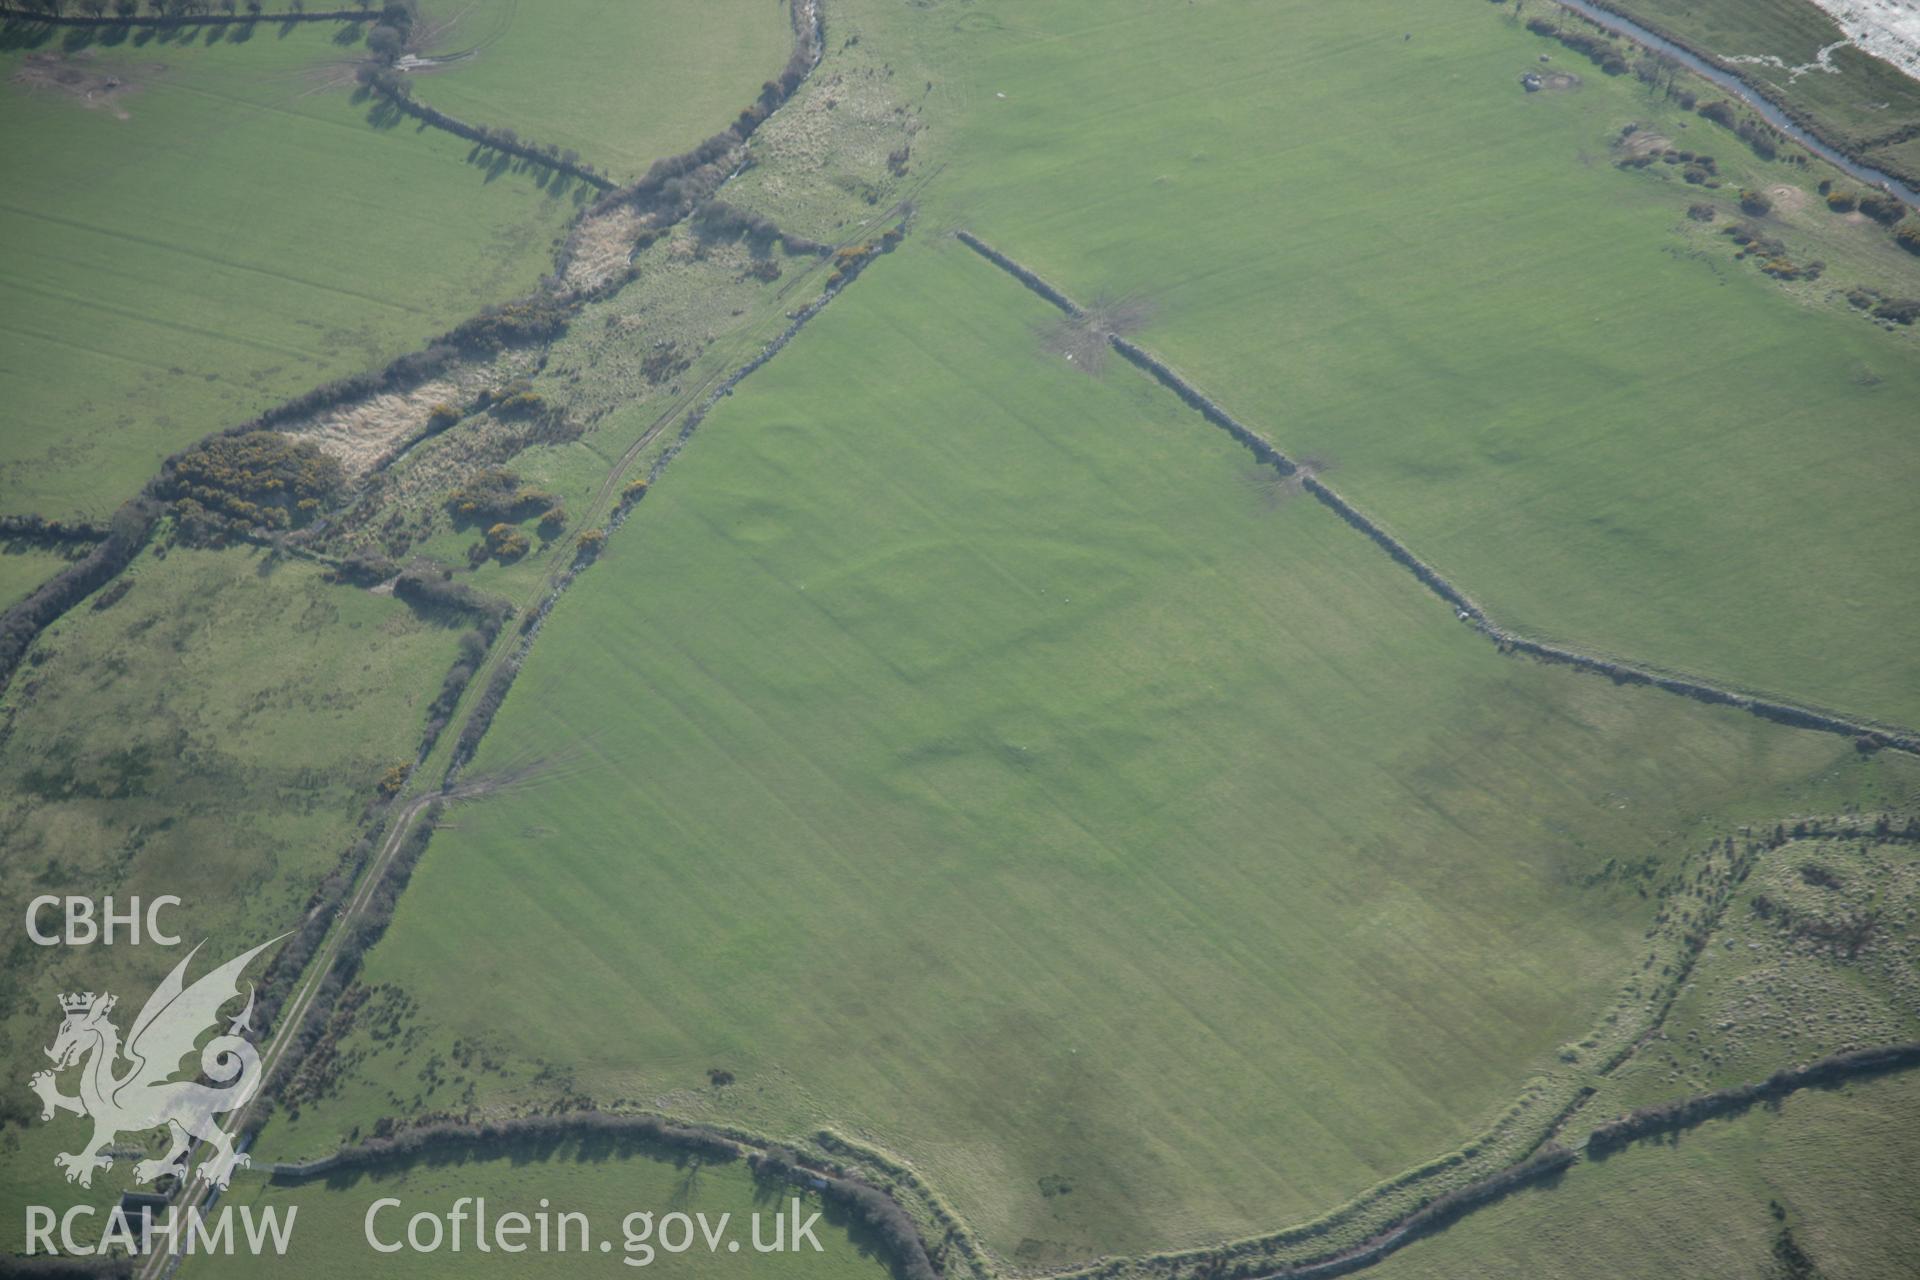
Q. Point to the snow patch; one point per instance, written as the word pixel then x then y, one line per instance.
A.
pixel 1887 29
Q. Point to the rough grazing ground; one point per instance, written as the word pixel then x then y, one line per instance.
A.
pixel 966 752
pixel 213 734
pixel 1840 1165
pixel 1789 976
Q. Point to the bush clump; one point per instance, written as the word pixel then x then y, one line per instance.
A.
pixel 496 495
pixel 256 479
pixel 517 399
pixel 1882 208
pixel 503 542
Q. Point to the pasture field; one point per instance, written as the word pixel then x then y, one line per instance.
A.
pixel 992 762
pixel 22 568
pixel 1529 365
pixel 1863 104
pixel 214 734
pixel 224 231
pixel 605 1184
pixel 622 83
pixel 1840 1164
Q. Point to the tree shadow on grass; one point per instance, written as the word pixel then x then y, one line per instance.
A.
pixel 17 34
pixel 522 1151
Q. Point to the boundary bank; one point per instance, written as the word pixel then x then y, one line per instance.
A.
pixel 1870 735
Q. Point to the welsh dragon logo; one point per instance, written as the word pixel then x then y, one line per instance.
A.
pixel 142 1094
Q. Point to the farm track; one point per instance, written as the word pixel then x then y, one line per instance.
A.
pixel 720 379
pixel 300 1008
pixel 1799 715
pixel 200 1193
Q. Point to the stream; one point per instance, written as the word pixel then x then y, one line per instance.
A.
pixel 1735 85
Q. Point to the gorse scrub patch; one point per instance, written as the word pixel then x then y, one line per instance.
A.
pixel 256 479
pixel 497 494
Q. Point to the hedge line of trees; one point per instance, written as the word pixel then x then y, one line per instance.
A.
pixel 718 220
pixel 864 1202
pixel 1138 356
pixel 172 13
pixel 473 649
pixel 430 588
pixel 1764 140
pixel 1550 1159
pixel 482 716
pixel 1262 447
pixel 429 1140
pixel 291 960
pixel 1392 546
pixel 665 181
pixel 698 414
pixel 397 91
pixel 36 528
pixel 1798 717
pixel 521 322
pixel 1597 49
pixel 366 930
pixel 128 531
pixel 1018 272
pixel 1687 1112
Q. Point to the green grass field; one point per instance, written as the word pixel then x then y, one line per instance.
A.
pixel 623 83
pixel 1864 104
pixel 213 735
pixel 991 761
pixel 244 233
pixel 22 568
pixel 1841 1165
pixel 1516 357
pixel 607 1186
pixel 983 759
